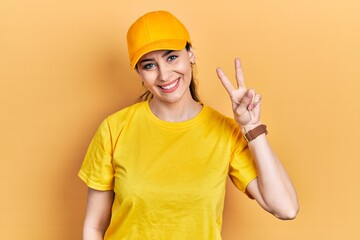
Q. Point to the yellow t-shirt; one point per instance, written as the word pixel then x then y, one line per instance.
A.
pixel 169 178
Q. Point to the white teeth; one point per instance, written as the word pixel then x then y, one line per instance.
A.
pixel 169 86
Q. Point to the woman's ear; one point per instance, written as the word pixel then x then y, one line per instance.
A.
pixel 191 55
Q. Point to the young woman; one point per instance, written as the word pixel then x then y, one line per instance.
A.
pixel 158 169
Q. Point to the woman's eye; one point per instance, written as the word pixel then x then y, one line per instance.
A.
pixel 148 66
pixel 172 58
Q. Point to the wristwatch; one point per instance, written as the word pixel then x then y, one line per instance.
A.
pixel 254 133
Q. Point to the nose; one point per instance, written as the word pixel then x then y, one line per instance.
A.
pixel 164 73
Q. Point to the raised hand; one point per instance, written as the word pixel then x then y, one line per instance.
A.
pixel 245 102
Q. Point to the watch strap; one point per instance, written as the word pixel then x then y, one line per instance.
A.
pixel 254 133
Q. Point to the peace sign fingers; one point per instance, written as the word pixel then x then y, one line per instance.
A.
pixel 245 103
pixel 236 95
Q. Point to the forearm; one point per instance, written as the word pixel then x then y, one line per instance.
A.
pixel 98 214
pixel 274 184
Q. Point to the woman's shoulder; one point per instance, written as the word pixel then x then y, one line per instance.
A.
pixel 125 114
pixel 222 124
pixel 216 115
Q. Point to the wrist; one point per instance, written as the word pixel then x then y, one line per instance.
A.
pixel 249 127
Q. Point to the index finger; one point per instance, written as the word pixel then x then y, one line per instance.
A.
pixel 225 81
pixel 239 74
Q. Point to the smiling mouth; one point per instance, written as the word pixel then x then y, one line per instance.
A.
pixel 170 86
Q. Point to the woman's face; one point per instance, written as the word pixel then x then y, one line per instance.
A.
pixel 167 74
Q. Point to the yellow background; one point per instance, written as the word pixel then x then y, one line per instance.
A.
pixel 64 67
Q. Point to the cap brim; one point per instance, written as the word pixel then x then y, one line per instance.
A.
pixel 174 44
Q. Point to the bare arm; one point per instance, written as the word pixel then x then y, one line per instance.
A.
pixel 98 212
pixel 272 189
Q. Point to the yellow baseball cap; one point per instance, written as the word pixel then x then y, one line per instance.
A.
pixel 159 30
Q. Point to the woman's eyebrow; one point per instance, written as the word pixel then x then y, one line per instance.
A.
pixel 167 53
pixel 151 59
pixel 146 60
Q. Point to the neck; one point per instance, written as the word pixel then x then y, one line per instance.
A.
pixel 175 112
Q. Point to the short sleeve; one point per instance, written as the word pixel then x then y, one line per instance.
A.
pixel 242 169
pixel 97 169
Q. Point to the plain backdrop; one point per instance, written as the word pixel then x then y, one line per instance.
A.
pixel 64 67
